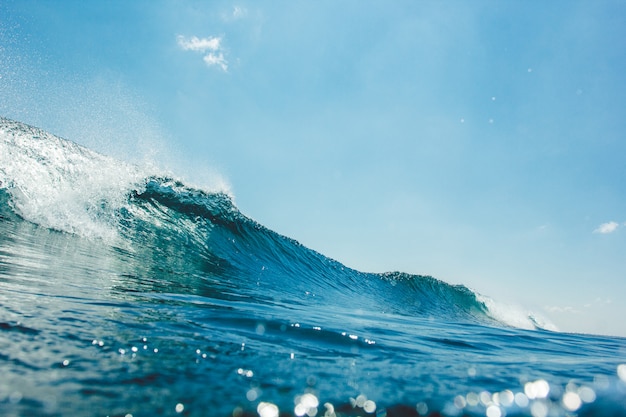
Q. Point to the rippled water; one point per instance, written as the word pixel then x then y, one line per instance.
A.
pixel 186 307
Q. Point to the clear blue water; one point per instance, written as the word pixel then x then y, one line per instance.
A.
pixel 126 292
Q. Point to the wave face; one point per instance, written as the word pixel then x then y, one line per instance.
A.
pixel 63 186
pixel 129 292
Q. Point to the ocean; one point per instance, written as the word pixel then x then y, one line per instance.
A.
pixel 126 292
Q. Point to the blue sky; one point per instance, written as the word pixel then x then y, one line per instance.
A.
pixel 479 142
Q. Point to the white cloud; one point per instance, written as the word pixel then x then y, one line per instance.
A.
pixel 216 59
pixel 606 228
pixel 211 47
pixel 239 12
pixel 236 13
pixel 199 44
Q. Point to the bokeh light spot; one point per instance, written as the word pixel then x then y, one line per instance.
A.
pixel 537 389
pixel 571 401
pixel 493 411
pixel 267 409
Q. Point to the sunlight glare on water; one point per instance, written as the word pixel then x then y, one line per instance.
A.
pixel 571 401
pixel 266 409
pixel 537 389
pixel 621 372
pixel 306 404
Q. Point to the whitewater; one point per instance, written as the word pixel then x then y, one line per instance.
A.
pixel 127 292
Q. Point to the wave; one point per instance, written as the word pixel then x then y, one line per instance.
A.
pixel 202 239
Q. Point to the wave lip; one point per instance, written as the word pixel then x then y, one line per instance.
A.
pixel 516 316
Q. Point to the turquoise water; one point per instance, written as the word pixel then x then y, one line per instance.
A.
pixel 127 292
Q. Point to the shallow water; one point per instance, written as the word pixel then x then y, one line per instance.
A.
pixel 137 295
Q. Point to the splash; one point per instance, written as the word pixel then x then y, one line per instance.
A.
pixel 61 185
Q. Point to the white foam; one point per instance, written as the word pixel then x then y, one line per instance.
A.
pixel 515 316
pixel 61 185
